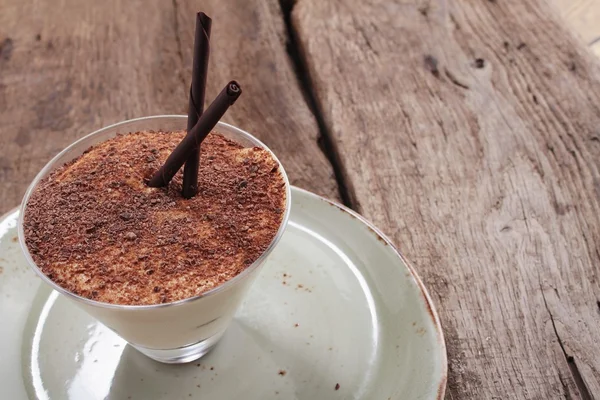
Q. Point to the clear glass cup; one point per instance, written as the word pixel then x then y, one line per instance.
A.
pixel 180 331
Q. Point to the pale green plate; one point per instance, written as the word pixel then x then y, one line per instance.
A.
pixel 334 305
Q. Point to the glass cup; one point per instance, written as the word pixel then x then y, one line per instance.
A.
pixel 181 331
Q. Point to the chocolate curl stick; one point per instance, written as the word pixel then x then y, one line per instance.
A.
pixel 192 140
pixel 196 103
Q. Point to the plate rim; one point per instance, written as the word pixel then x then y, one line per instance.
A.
pixel 432 311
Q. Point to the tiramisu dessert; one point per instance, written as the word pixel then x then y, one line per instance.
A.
pixel 96 228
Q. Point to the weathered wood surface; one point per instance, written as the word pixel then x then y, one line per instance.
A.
pixel 469 131
pixel 485 172
pixel 68 68
pixel 248 43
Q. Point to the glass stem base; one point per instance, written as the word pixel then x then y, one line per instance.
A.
pixel 181 355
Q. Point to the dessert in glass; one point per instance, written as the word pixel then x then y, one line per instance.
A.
pixel 164 272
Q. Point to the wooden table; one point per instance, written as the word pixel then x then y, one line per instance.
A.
pixel 468 130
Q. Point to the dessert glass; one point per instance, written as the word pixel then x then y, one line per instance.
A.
pixel 180 331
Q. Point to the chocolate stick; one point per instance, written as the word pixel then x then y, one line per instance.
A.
pixel 192 140
pixel 196 103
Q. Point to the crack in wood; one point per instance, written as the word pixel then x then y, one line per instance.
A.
pixel 325 141
pixel 431 64
pixel 454 22
pixel 584 391
pixel 565 386
pixel 6 49
pixel 454 79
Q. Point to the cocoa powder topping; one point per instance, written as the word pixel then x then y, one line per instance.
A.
pixel 95 228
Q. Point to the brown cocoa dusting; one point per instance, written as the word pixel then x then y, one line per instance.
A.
pixel 337 386
pixel 95 228
pixel 282 372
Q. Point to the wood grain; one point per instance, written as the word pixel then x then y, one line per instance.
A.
pixel 468 131
pixel 68 68
pixel 248 43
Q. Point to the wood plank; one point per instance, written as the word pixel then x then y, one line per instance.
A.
pixel 248 43
pixel 468 131
pixel 68 68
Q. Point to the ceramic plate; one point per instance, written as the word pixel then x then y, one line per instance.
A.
pixel 336 313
